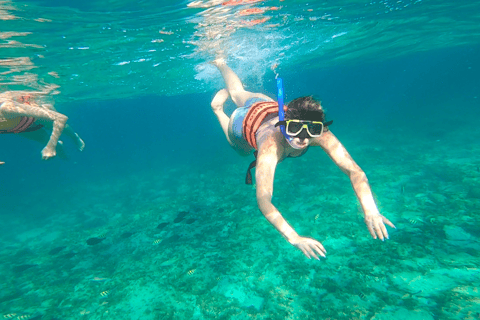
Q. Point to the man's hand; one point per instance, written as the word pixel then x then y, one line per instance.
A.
pixel 376 226
pixel 1 163
pixel 310 247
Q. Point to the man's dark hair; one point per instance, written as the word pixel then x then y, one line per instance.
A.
pixel 305 108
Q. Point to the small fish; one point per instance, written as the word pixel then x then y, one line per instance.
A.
pixel 23 267
pixel 98 279
pixel 69 255
pixel 126 235
pixel 413 221
pixel 105 293
pixel 157 241
pixel 182 214
pixel 9 316
pixel 162 225
pixel 56 250
pixel 190 221
pixel 316 217
pixel 190 272
pixel 95 240
pixel 362 296
pixel 24 316
pixel 178 219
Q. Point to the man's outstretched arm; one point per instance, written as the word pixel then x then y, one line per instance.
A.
pixel 337 152
pixel 267 160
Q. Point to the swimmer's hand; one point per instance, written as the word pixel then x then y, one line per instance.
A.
pixel 1 163
pixel 310 247
pixel 376 225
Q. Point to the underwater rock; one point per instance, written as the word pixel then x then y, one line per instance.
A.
pixel 228 229
pixel 23 267
pixel 162 225
pixel 245 296
pixel 69 255
pixel 456 233
pixel 93 241
pixel 190 221
pixel 402 313
pixel 56 250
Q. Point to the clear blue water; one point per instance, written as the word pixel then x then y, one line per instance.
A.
pixel 400 81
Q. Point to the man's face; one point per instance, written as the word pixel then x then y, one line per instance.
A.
pixel 301 141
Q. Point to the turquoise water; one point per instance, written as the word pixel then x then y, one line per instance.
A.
pixel 157 186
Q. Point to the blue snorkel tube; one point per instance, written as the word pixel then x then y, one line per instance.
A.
pixel 281 112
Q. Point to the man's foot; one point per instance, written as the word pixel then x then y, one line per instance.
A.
pixel 48 152
pixel 219 62
pixel 80 143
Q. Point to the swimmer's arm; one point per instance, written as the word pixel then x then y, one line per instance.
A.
pixel 373 219
pixel 340 156
pixel 264 175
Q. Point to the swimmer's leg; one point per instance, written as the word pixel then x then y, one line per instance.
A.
pixel 75 137
pixel 68 130
pixel 217 107
pixel 234 85
pixel 41 136
pixel 57 120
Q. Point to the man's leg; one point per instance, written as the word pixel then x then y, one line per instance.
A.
pixel 217 107
pixel 74 136
pixel 234 85
pixel 41 135
pixel 59 120
pixel 68 130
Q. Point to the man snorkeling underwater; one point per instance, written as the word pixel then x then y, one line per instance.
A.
pixel 258 124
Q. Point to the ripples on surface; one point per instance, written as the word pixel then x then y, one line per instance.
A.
pixel 111 49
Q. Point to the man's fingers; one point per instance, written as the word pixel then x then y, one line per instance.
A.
pixel 310 251
pixel 320 246
pixel 384 230
pixel 371 230
pixel 305 252
pixel 320 250
pixel 385 220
